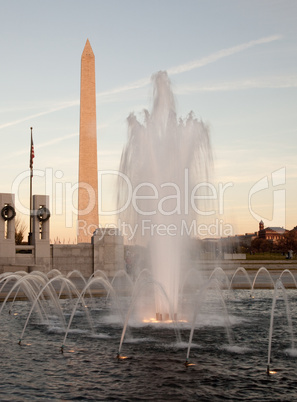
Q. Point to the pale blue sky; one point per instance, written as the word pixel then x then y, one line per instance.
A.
pixel 232 62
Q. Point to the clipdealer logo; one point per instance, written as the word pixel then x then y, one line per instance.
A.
pixel 278 216
pixel 184 202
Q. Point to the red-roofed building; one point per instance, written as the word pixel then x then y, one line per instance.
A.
pixel 273 234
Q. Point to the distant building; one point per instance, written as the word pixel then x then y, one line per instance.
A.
pixel 233 244
pixel 246 239
pixel 273 234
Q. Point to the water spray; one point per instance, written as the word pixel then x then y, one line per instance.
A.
pixel 154 146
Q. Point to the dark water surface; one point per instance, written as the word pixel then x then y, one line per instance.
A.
pixel 155 370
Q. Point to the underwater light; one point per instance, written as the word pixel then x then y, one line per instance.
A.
pixel 187 364
pixel 119 357
pixel 268 371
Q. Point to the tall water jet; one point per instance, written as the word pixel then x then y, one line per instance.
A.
pixel 165 165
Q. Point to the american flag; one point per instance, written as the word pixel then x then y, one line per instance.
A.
pixel 32 151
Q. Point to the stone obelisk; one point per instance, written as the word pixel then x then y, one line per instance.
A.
pixel 88 218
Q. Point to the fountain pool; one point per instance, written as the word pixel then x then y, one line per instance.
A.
pixel 154 369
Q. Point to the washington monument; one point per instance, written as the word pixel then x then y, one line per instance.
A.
pixel 88 219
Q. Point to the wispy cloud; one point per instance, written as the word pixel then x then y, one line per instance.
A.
pixel 133 85
pixel 221 54
pixel 194 64
pixel 45 144
pixel 145 81
pixel 57 140
pixel 273 82
pixel 33 116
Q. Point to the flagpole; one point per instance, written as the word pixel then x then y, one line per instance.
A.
pixel 31 180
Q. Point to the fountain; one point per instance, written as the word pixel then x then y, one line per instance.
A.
pixel 186 336
pixel 164 159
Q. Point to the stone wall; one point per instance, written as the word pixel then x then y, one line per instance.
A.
pixel 105 252
pixel 108 251
pixel 70 257
pixel 235 256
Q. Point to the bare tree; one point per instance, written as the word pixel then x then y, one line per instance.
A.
pixel 20 230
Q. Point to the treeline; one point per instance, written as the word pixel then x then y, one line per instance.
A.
pixel 285 244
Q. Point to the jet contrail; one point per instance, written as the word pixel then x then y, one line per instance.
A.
pixel 171 71
pixel 220 55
